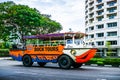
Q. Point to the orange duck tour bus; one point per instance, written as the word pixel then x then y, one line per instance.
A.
pixel 67 49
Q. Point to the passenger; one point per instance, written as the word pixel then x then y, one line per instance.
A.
pixel 54 43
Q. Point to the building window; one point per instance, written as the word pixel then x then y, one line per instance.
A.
pixel 91 20
pixel 100 18
pixel 112 3
pixel 113 42
pixel 100 26
pixel 112 52
pixel 86 6
pixel 114 33
pixel 99 1
pixel 112 9
pixel 91 15
pixel 91 9
pixel 91 36
pixel 86 22
pixel 86 30
pixel 100 12
pixel 100 34
pixel 86 17
pixel 112 16
pixel 86 1
pixel 86 36
pixel 86 12
pixel 99 6
pixel 100 43
pixel 100 52
pixel 114 24
pixel 91 28
pixel 91 3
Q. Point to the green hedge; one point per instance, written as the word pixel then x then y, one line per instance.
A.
pixel 112 61
pixel 4 52
pixel 104 61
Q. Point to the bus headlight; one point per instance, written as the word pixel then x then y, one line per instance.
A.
pixel 73 52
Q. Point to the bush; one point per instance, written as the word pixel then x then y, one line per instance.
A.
pixel 105 61
pixel 4 52
pixel 112 61
pixel 92 61
pixel 5 45
pixel 100 63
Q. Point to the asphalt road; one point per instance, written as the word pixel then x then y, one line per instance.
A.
pixel 14 70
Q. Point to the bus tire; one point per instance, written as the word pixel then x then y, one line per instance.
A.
pixel 65 62
pixel 42 64
pixel 77 65
pixel 27 61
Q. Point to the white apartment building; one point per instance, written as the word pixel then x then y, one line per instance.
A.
pixel 102 24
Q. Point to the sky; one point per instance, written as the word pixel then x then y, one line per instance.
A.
pixel 69 13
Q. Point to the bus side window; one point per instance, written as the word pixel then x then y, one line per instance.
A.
pixel 62 43
pixel 69 41
pixel 77 42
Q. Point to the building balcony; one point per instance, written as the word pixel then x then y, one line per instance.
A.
pixel 100 17
pixel 86 12
pixel 111 6
pixel 91 15
pixel 86 1
pixel 97 10
pixel 91 4
pixel 111 12
pixel 91 20
pixel 90 12
pixel 99 14
pixel 86 17
pixel 109 29
pixel 111 3
pixel 91 9
pixel 86 22
pixel 112 16
pixel 100 6
pixel 90 1
pixel 99 1
pixel 86 7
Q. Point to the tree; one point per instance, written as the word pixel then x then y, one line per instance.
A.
pixel 108 45
pixel 47 26
pixel 19 20
pixel 4 30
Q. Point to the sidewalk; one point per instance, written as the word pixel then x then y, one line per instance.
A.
pixel 3 58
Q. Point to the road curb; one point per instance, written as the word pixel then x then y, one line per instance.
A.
pixel 5 58
pixel 94 65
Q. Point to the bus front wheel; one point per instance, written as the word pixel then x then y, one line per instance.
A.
pixel 27 61
pixel 65 62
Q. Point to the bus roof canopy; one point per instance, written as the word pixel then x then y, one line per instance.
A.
pixel 56 36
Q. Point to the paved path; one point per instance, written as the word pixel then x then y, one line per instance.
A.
pixel 4 58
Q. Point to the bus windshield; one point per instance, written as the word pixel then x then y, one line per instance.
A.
pixel 76 41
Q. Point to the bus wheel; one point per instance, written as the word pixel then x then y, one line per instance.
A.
pixel 27 61
pixel 65 62
pixel 77 65
pixel 42 64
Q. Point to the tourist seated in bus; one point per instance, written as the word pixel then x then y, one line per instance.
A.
pixel 54 43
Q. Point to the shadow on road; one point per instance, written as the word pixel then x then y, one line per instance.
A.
pixel 56 67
